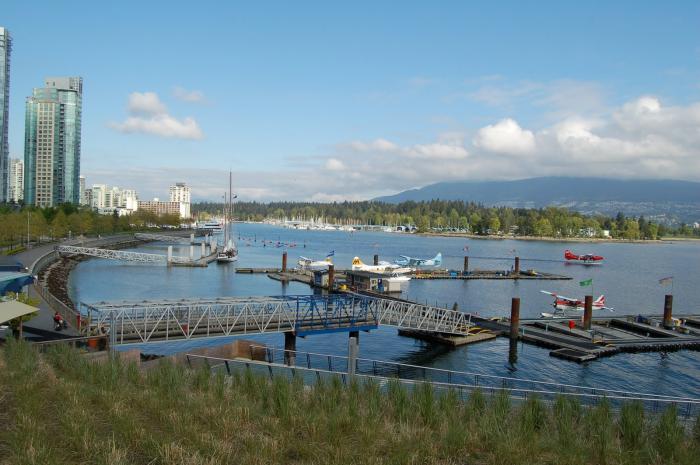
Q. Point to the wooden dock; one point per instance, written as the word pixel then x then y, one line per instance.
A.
pixel 607 336
pixel 436 274
pixel 488 274
pixel 479 335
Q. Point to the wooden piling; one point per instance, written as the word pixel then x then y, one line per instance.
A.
pixel 517 266
pixel 353 351
pixel 514 317
pixel 668 311
pixel 331 276
pixel 284 262
pixel 587 312
pixel 376 259
pixel 290 347
pixel 466 265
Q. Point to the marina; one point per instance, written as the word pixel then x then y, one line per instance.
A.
pixel 491 321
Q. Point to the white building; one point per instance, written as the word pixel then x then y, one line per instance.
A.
pixel 106 199
pixel 81 188
pixel 180 193
pixel 16 184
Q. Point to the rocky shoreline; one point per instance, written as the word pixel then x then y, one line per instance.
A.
pixel 55 277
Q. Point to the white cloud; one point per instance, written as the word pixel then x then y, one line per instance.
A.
pixel 333 164
pixel 145 103
pixel 160 125
pixel 506 137
pixel 191 96
pixel 148 115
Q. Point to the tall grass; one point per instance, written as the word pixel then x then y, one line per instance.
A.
pixel 59 408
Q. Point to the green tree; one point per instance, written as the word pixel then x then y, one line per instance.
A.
pixel 494 224
pixel 60 225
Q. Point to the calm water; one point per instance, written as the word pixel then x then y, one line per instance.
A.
pixel 629 279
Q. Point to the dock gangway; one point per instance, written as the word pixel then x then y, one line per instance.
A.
pixel 121 255
pixel 163 320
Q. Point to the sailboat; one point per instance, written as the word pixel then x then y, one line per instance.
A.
pixel 229 253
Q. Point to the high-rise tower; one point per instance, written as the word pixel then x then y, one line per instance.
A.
pixel 52 142
pixel 5 49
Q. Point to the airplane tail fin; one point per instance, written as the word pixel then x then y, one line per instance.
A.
pixel 569 254
pixel 438 259
pixel 357 262
pixel 600 300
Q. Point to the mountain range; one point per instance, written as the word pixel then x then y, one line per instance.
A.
pixel 665 200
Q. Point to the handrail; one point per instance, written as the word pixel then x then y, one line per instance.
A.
pixel 449 385
pixel 480 375
pixel 70 339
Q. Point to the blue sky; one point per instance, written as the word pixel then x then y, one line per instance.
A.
pixel 319 100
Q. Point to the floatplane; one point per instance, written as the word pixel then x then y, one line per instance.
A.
pixel 381 267
pixel 567 306
pixel 306 263
pixel 587 259
pixel 417 262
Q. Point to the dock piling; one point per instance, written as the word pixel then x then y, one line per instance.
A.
pixel 517 266
pixel 514 317
pixel 587 312
pixel 376 259
pixel 170 253
pixel 191 252
pixel 204 249
pixel 284 262
pixel 191 238
pixel 465 270
pixel 331 276
pixel 668 311
pixel 353 351
pixel 290 347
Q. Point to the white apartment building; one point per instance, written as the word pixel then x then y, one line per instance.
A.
pixel 180 193
pixel 106 199
pixel 16 184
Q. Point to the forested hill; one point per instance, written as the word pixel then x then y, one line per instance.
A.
pixel 667 200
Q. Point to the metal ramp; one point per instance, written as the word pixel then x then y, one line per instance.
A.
pixel 163 320
pixel 120 255
pixel 163 238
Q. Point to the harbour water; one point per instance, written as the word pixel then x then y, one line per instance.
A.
pixel 629 279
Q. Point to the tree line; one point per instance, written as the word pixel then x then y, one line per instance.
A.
pixel 457 216
pixel 33 224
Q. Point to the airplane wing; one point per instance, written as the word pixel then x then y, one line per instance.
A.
pixel 304 259
pixel 607 308
pixel 557 296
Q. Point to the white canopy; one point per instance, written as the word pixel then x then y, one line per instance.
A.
pixel 11 309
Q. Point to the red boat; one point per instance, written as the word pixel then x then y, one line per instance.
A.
pixel 588 259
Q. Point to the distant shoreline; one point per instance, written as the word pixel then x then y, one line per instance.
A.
pixel 664 240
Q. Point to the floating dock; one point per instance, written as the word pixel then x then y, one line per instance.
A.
pixel 606 336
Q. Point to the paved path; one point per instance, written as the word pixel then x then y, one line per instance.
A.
pixel 44 321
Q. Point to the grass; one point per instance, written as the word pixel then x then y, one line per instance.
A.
pixel 59 408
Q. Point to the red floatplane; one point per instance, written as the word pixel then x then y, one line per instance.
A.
pixel 588 259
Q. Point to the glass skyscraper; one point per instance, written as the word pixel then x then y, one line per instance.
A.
pixel 52 142
pixel 5 49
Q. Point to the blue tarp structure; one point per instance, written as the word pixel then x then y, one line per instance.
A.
pixel 10 263
pixel 12 281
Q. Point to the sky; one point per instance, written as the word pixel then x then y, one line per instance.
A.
pixel 332 101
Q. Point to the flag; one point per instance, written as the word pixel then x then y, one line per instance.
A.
pixel 586 282
pixel 666 280
pixel 330 254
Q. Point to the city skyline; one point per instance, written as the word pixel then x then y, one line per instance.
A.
pixel 312 102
